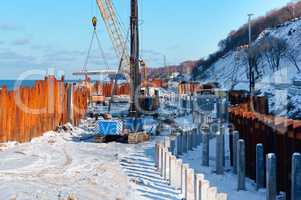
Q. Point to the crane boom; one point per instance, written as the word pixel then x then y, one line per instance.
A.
pixel 129 62
pixel 114 30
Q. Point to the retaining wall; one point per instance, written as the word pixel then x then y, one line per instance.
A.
pixel 28 112
pixel 278 135
pixel 106 89
pixel 258 104
pixel 193 186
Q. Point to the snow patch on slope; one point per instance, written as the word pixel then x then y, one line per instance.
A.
pixel 231 71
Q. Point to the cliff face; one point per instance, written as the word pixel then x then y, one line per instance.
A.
pixel 231 71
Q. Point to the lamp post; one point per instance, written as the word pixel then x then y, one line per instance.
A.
pixel 250 27
pixel 252 79
pixel 164 59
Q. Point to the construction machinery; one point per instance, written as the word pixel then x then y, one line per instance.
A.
pixel 96 96
pixel 131 127
pixel 116 33
pixel 129 63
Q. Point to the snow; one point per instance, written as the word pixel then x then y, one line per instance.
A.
pixel 297 77
pixel 140 169
pixel 54 166
pixel 185 122
pixel 271 156
pixel 226 183
pixel 60 164
pixel 231 72
pixel 57 165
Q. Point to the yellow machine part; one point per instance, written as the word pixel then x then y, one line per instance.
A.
pixel 94 21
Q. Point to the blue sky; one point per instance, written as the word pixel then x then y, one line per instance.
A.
pixel 55 34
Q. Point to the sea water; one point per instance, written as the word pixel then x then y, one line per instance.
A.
pixel 11 84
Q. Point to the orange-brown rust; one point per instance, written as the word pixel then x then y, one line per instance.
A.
pixel 50 94
pixel 277 134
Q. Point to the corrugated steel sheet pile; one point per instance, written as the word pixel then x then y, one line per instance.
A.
pixel 28 112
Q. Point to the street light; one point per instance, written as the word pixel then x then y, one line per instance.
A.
pixel 250 28
pixel 252 79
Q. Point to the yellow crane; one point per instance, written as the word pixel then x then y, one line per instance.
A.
pixel 116 34
pixel 129 63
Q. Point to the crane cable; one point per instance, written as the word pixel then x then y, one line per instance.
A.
pixel 103 55
pixel 95 35
pixel 89 52
pixel 121 59
pixel 113 92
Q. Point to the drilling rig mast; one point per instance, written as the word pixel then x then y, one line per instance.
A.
pixel 134 60
pixel 130 62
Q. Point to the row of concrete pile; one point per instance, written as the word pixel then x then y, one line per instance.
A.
pixel 193 186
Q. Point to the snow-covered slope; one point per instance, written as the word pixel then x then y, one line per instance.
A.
pixel 231 71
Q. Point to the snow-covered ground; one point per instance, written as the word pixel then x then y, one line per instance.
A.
pixel 226 183
pixel 57 165
pixel 147 182
pixel 60 164
pixel 231 72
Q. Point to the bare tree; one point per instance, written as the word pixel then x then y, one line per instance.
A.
pixel 274 49
pixel 237 64
pixel 293 56
pixel 253 57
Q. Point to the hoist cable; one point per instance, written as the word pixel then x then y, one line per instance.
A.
pixel 102 52
pixel 113 92
pixel 89 52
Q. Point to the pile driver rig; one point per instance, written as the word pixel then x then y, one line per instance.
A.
pixel 129 62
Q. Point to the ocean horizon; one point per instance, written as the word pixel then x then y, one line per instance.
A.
pixel 10 84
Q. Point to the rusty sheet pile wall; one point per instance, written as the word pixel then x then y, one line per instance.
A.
pixel 188 87
pixel 257 103
pixel 106 89
pixel 278 135
pixel 28 112
pixel 185 88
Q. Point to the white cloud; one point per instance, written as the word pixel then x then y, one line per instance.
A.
pixel 8 27
pixel 8 55
pixel 21 42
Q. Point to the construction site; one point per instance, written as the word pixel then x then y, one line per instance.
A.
pixel 219 132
